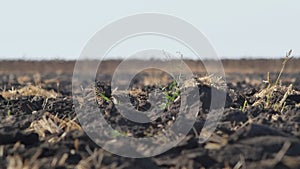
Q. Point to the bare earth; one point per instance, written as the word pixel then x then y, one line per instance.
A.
pixel 260 126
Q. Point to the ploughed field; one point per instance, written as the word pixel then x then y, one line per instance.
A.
pixel 259 128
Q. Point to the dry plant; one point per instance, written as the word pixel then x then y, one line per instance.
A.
pixel 215 142
pixel 23 79
pixel 265 96
pixel 59 161
pixel 29 90
pixel 54 125
pixel 210 80
pixel 95 159
pixel 16 162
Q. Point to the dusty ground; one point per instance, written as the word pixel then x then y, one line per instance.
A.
pixel 39 129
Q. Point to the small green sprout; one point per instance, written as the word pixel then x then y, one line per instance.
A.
pixel 8 112
pixel 173 85
pixel 116 133
pixel 245 105
pixel 172 92
pixel 104 97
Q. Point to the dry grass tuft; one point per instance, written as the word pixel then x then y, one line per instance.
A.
pixel 29 90
pixel 156 78
pixel 23 79
pixel 16 162
pixel 211 80
pixel 54 125
pixel 94 160
pixel 266 96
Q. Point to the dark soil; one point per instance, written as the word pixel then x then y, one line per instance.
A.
pixel 253 136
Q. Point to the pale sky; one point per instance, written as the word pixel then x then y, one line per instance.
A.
pixel 57 29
